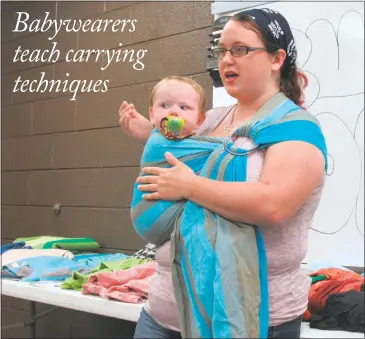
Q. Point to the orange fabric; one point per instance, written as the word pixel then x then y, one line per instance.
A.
pixel 338 281
pixel 307 315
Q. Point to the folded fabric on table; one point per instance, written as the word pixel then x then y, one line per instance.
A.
pixel 94 259
pixel 41 268
pixel 14 245
pixel 23 253
pixel 329 281
pixel 71 244
pixel 342 311
pixel 77 280
pixel 46 267
pixel 129 285
pixel 147 252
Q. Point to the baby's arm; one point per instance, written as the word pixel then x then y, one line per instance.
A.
pixel 134 123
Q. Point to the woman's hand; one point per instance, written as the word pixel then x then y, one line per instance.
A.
pixel 134 123
pixel 167 183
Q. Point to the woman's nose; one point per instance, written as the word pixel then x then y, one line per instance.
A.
pixel 228 58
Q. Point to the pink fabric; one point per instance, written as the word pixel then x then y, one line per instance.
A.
pixel 129 285
pixel 285 249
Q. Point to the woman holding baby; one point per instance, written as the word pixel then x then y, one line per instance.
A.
pixel 284 180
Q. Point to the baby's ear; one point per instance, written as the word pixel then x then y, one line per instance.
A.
pixel 150 113
pixel 201 120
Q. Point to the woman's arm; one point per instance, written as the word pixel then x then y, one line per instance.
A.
pixel 291 173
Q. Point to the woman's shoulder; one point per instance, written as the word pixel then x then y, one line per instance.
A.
pixel 301 114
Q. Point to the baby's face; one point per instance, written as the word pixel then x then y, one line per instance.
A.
pixel 179 97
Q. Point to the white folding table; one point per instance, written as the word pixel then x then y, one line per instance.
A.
pixel 51 294
pixel 48 293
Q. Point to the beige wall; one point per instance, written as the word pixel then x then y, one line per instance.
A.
pixel 73 152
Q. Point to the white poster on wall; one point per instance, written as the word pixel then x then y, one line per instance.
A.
pixel 330 42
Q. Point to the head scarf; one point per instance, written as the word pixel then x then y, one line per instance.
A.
pixel 275 29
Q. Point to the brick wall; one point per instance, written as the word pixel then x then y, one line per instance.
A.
pixel 55 150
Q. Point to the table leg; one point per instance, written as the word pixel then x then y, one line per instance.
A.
pixel 31 323
pixel 32 320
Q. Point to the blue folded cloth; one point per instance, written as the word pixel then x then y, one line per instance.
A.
pixel 55 268
pixel 41 268
pixel 13 246
pixel 94 259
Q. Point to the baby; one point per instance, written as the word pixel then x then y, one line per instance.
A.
pixel 177 107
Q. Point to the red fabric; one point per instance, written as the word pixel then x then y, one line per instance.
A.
pixel 129 285
pixel 338 281
pixel 320 293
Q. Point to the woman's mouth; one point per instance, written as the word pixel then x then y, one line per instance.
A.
pixel 230 76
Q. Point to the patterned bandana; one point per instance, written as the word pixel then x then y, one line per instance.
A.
pixel 276 29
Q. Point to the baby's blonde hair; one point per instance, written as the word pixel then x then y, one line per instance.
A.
pixel 189 81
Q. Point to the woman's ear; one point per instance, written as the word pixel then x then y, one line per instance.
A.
pixel 278 59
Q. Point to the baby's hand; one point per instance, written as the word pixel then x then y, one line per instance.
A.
pixel 134 123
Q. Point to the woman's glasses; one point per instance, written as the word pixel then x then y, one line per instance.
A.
pixel 236 51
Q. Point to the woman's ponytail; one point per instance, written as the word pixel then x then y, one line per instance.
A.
pixel 292 84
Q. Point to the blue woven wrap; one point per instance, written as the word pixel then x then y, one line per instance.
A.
pixel 218 265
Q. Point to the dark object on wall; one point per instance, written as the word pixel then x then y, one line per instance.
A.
pixel 212 63
pixel 221 22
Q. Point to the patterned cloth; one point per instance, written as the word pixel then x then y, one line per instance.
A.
pixel 147 252
pixel 276 29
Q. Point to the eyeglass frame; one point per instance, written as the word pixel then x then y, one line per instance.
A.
pixel 248 49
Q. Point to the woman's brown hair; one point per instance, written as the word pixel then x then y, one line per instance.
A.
pixel 292 81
